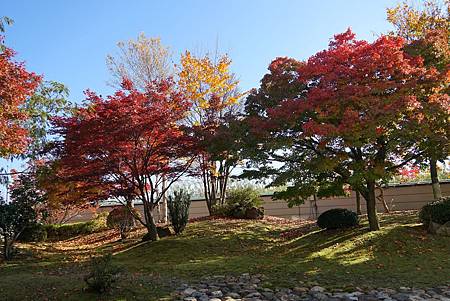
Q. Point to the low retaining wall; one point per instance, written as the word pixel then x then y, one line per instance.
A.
pixel 401 197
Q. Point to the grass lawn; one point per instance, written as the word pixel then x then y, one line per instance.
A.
pixel 401 254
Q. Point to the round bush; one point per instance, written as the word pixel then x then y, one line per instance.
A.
pixel 437 212
pixel 338 218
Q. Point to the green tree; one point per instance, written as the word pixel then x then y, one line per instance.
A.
pixel 3 22
pixel 49 100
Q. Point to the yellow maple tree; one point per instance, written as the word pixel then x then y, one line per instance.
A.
pixel 212 89
pixel 413 22
pixel 208 84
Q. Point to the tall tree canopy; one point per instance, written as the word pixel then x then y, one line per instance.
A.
pixel 427 29
pixel 338 118
pixel 142 61
pixel 129 143
pixel 48 101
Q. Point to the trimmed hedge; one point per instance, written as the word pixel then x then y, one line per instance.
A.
pixel 436 211
pixel 33 233
pixel 338 218
pixel 65 231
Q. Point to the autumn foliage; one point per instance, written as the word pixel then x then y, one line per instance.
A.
pixel 344 119
pixel 65 198
pixel 426 29
pixel 16 85
pixel 129 143
pixel 211 89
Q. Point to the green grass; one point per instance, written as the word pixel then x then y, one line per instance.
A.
pixel 401 254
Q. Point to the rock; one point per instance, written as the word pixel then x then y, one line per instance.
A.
pixel 321 296
pixel 317 289
pixel 444 229
pixel 199 295
pixel 254 213
pixel 189 291
pixel 300 290
pixel 367 298
pixel 164 231
pixel 292 297
pixel 382 295
pixel 228 288
pixel 253 295
pixel 234 295
pixel 401 297
pixel 216 294
pixel 268 295
pixel 214 287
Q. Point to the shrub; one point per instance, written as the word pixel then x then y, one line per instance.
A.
pixel 122 218
pixel 66 231
pixel 437 212
pixel 242 203
pixel 178 205
pixel 98 223
pixel 33 233
pixel 19 214
pixel 103 274
pixel 163 231
pixel 338 218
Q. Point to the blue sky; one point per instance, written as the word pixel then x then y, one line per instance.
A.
pixel 68 41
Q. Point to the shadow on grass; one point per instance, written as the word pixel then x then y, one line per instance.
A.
pixel 401 252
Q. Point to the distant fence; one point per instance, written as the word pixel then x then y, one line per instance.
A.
pixel 399 197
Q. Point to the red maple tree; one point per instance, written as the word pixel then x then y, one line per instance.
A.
pixel 341 117
pixel 16 85
pixel 130 143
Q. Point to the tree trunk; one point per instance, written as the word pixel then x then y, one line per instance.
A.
pixel 152 232
pixel 7 248
pixel 314 209
pixel 437 194
pixel 358 203
pixel 162 212
pixel 371 203
pixel 130 205
pixel 205 191
pixel 380 198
